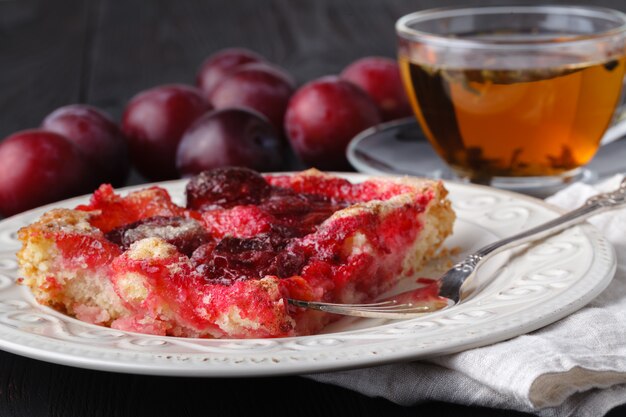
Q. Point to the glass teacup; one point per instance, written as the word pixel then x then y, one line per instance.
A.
pixel 515 97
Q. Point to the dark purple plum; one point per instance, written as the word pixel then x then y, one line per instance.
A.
pixel 380 78
pixel 97 136
pixel 323 116
pixel 261 87
pixel 40 167
pixel 230 137
pixel 221 64
pixel 154 122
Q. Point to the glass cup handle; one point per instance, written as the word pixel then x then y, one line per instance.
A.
pixel 617 130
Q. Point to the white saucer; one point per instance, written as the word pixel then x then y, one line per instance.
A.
pixel 400 148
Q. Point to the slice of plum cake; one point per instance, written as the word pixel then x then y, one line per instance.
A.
pixel 225 264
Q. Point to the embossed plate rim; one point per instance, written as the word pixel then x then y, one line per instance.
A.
pixel 43 334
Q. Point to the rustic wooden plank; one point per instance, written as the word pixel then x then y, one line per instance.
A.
pixel 137 47
pixel 42 45
pixel 32 388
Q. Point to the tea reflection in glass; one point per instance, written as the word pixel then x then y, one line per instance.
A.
pixel 513 95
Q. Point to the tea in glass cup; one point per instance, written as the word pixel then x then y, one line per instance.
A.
pixel 515 97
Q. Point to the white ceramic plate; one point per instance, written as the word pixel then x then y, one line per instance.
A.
pixel 531 289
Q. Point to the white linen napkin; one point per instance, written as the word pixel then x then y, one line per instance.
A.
pixel 574 367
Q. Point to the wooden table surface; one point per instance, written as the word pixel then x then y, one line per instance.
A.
pixel 101 52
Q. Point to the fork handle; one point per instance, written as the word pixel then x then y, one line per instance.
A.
pixel 594 205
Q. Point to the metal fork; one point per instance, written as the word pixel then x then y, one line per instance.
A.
pixel 401 305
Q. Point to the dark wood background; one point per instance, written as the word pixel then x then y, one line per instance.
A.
pixel 101 52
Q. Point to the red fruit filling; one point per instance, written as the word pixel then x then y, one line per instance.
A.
pixel 225 188
pixel 249 230
pixel 111 211
pixel 186 234
pixel 254 226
